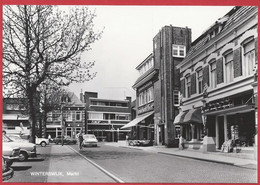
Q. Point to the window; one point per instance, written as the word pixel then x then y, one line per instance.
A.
pixel 188 85
pixel 213 75
pixel 199 81
pixel 49 116
pixel 146 66
pixel 12 107
pixel 78 116
pixel 249 58
pixel 178 51
pixel 95 116
pixel 69 116
pixel 176 98
pixel 122 117
pixel 229 67
pixel 140 99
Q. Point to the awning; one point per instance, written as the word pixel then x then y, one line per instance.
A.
pixel 191 116
pixel 137 120
pixel 179 118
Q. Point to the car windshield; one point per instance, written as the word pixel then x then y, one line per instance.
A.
pixel 89 137
pixel 15 138
pixel 6 139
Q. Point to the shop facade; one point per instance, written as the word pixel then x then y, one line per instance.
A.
pixel 105 117
pixel 218 84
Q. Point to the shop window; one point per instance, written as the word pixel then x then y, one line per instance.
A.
pixel 213 75
pixel 177 132
pixel 249 58
pixel 229 67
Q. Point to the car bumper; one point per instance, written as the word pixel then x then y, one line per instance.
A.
pixel 89 144
pixel 7 174
pixel 11 158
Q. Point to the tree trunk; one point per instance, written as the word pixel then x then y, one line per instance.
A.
pixel 31 95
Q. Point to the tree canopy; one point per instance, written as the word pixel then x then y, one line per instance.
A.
pixel 44 43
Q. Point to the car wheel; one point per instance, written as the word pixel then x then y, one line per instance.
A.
pixel 23 156
pixel 43 143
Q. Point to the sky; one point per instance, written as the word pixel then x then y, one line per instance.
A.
pixel 126 41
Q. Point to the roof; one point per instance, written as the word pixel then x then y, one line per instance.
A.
pixel 226 21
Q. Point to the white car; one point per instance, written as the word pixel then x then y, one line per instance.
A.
pixel 17 138
pixel 10 154
pixel 41 141
pixel 26 149
pixel 89 140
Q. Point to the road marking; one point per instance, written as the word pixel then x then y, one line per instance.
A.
pixel 99 167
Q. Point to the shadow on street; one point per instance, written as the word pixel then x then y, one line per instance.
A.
pixel 21 168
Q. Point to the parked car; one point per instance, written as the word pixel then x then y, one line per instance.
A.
pixel 89 140
pixel 7 172
pixel 26 149
pixel 11 154
pixel 66 140
pixel 41 141
pixel 17 138
pixel 140 142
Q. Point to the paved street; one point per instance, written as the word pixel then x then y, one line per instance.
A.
pixel 132 165
pixel 118 164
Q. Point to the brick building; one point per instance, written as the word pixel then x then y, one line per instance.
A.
pixel 71 111
pixel 219 84
pixel 105 117
pixel 157 88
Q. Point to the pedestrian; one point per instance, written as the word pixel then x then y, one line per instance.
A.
pixel 49 138
pixel 80 139
pixel 126 137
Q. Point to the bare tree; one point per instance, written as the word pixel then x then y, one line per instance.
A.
pixel 51 99
pixel 44 43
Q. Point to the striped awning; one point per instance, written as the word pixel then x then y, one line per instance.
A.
pixel 180 117
pixel 190 116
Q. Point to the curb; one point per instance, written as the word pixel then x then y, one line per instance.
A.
pixel 197 158
pixel 99 167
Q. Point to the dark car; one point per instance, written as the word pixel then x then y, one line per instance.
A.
pixel 141 142
pixel 66 140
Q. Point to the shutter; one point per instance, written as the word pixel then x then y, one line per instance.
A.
pixel 220 75
pixel 237 63
pixel 205 79
pixel 193 83
pixel 183 87
pixel 256 50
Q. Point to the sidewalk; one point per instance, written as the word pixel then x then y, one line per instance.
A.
pixel 66 165
pixel 198 155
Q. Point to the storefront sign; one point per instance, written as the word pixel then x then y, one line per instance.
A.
pixel 146 108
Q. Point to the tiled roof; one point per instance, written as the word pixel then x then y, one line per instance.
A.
pixel 233 16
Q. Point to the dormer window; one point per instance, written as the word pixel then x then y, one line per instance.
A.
pixel 178 51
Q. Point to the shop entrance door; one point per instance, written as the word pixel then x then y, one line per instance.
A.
pixel 221 137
